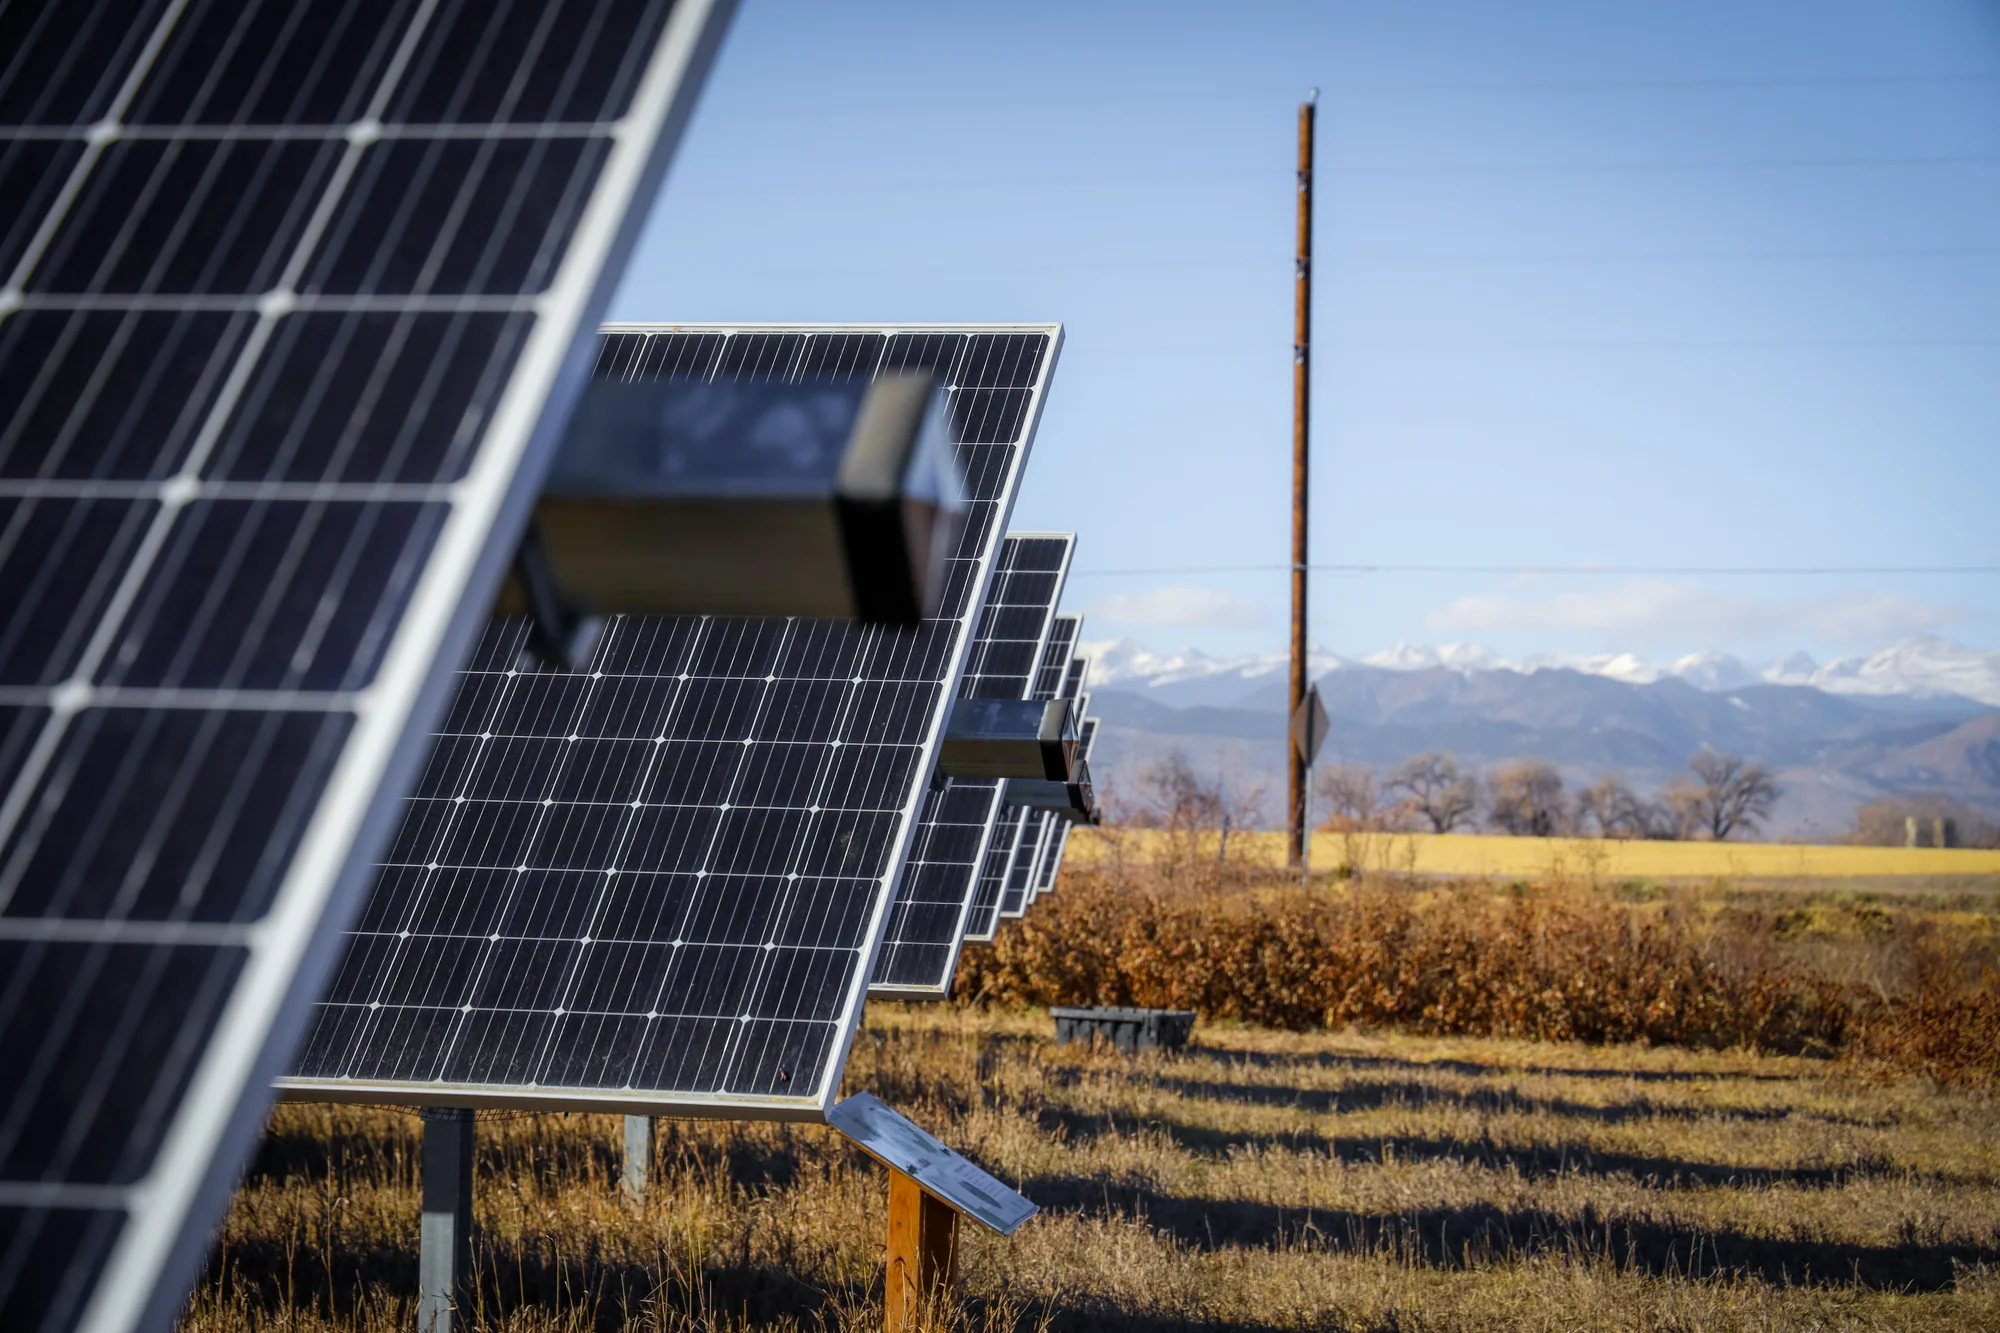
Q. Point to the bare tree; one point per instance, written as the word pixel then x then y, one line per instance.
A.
pixel 1525 798
pixel 1431 785
pixel 1348 797
pixel 1614 810
pixel 1730 794
pixel 1175 798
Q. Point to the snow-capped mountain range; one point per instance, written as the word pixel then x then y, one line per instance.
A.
pixel 1917 668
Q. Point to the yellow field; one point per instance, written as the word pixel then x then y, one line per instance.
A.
pixel 1471 854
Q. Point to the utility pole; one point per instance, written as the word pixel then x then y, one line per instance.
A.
pixel 1295 767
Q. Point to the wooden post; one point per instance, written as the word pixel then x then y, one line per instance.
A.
pixel 1295 764
pixel 923 1254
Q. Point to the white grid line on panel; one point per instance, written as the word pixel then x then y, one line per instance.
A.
pixel 373 1088
pixel 991 825
pixel 214 1094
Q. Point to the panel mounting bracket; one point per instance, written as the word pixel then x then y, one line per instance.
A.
pixel 560 631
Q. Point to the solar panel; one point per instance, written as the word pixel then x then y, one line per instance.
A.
pixel 920 948
pixel 984 917
pixel 1052 849
pixel 656 884
pixel 290 297
pixel 1035 827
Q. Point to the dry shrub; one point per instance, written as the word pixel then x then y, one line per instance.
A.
pixel 1536 963
pixel 1946 1026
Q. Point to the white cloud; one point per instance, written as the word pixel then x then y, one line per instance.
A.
pixel 1185 608
pixel 1648 613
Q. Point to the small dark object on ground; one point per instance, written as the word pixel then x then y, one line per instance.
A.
pixel 1130 1030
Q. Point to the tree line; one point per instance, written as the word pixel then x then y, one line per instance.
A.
pixel 1721 795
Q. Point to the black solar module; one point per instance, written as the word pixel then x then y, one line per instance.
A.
pixel 1036 827
pixel 655 884
pixel 984 917
pixel 920 948
pixel 1058 840
pixel 290 304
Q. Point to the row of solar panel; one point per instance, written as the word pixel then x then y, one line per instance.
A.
pixel 294 302
pixel 654 882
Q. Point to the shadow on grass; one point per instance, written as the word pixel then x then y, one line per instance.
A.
pixel 551 1155
pixel 1535 1161
pixel 1092 1315
pixel 611 1292
pixel 1327 1060
pixel 614 1295
pixel 1458 1237
pixel 1369 1094
pixel 299 1152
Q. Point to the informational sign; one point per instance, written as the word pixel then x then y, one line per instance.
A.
pixel 878 1130
pixel 1310 725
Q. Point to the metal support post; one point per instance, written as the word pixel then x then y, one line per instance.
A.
pixel 638 1155
pixel 444 1264
pixel 923 1256
pixel 1306 838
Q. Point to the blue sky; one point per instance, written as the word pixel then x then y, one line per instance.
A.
pixel 1659 287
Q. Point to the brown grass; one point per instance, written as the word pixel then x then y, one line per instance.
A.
pixel 1450 1107
pixel 1263 1180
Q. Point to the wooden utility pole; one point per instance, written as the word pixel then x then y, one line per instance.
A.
pixel 1295 766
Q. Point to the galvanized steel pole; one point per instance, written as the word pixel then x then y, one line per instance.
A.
pixel 1295 768
pixel 638 1155
pixel 444 1259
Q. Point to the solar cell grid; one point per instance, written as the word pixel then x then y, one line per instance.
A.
pixel 984 916
pixel 276 362
pixel 657 882
pixel 927 923
pixel 1037 827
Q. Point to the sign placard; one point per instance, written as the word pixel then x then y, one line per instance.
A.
pixel 1310 725
pixel 884 1134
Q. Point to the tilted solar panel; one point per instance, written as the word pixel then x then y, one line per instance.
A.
pixel 656 884
pixel 290 305
pixel 1036 827
pixel 1036 832
pixel 984 917
pixel 920 948
pixel 1052 850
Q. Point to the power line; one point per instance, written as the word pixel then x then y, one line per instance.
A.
pixel 1529 345
pixel 762 110
pixel 1661 256
pixel 1682 571
pixel 1666 165
pixel 1352 170
pixel 1360 258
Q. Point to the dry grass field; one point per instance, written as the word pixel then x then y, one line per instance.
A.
pixel 1606 859
pixel 1261 1180
pixel 1411 1104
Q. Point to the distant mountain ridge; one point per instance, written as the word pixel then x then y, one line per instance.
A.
pixel 1840 735
pixel 1918 668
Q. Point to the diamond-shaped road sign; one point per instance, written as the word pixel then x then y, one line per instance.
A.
pixel 1309 725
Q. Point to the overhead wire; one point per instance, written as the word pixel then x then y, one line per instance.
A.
pixel 1014 103
pixel 1361 258
pixel 1372 170
pixel 1662 571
